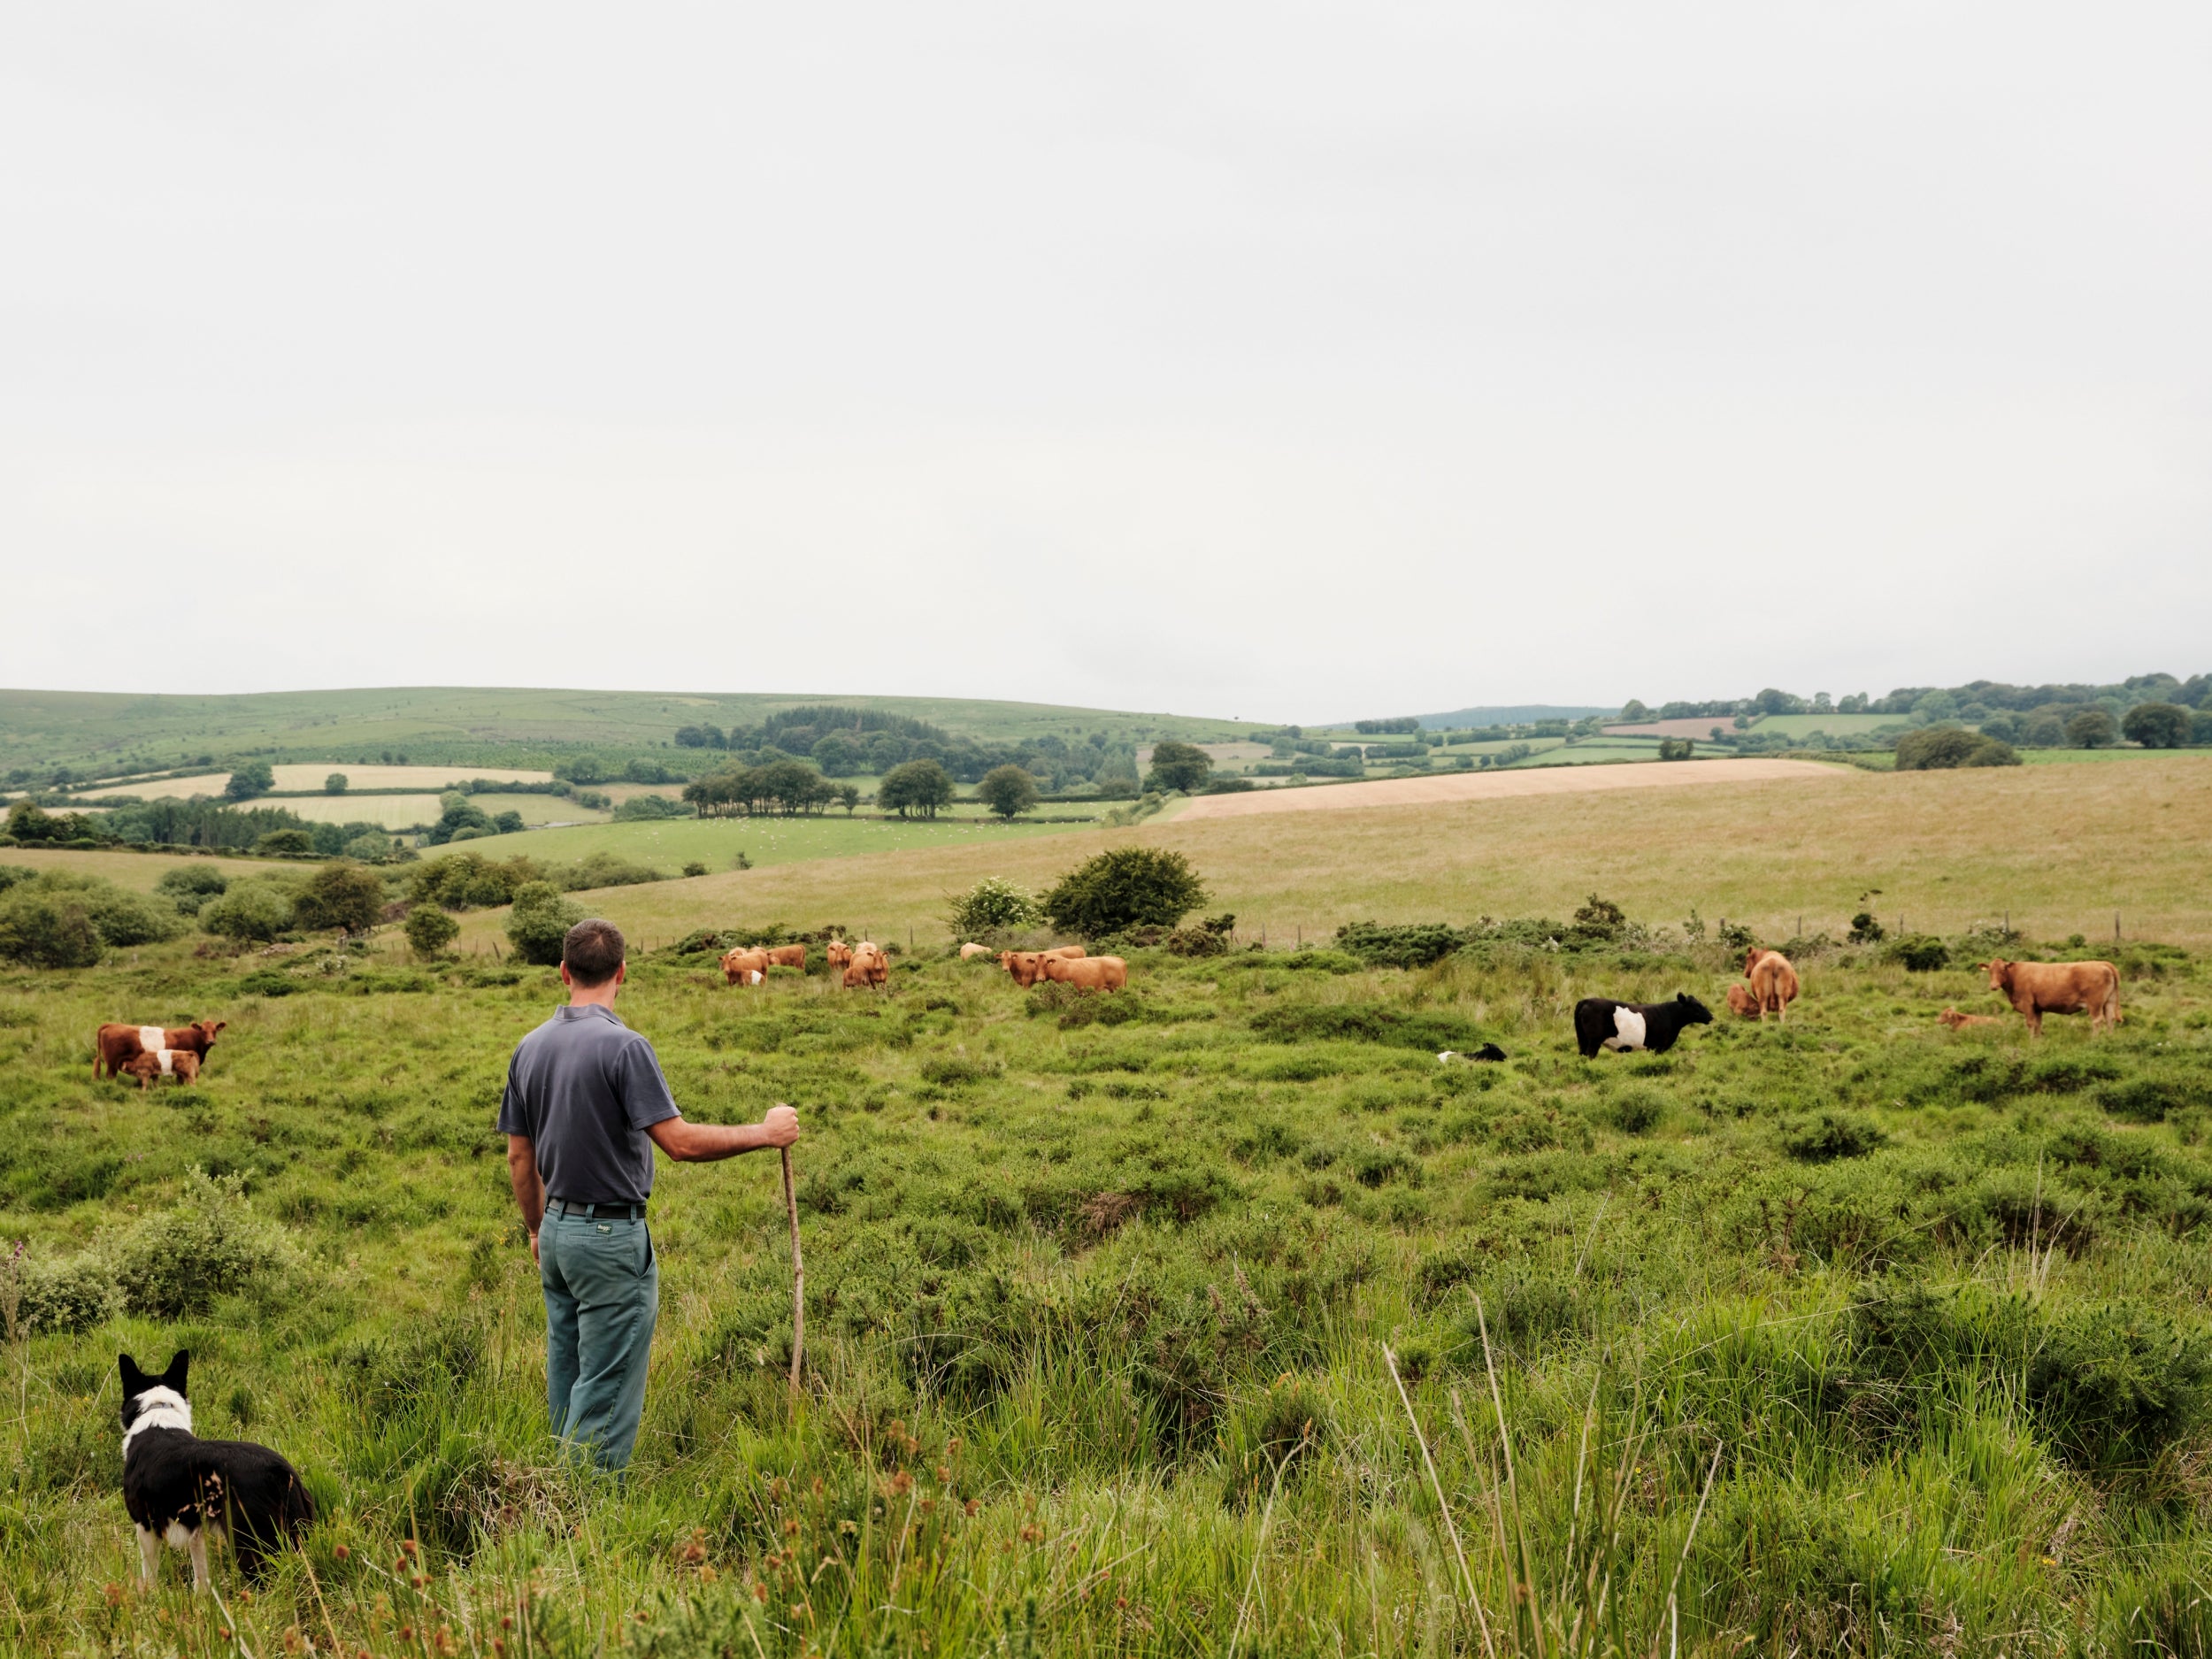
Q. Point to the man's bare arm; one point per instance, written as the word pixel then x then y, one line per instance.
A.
pixel 522 1175
pixel 687 1142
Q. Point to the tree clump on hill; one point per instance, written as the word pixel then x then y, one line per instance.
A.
pixel 1181 766
pixel 1936 749
pixel 1124 888
pixel 1008 791
pixel 539 923
pixel 252 779
pixel 2092 728
pixel 2157 725
pixel 916 789
pixel 340 896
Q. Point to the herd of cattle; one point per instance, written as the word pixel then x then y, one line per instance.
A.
pixel 865 966
pixel 1602 1024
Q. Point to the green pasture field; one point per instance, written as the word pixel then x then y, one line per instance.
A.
pixel 670 843
pixel 139 871
pixel 1834 725
pixel 1847 1335
pixel 491 725
pixel 1540 744
pixel 1594 752
pixel 2059 849
pixel 2068 757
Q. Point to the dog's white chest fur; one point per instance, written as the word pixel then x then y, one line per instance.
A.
pixel 1628 1027
pixel 153 1039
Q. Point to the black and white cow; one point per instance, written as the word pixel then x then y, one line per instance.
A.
pixel 1601 1023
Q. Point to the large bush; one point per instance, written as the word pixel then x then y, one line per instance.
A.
pixel 253 911
pixel 1181 766
pixel 2157 724
pixel 1124 888
pixel 340 895
pixel 917 788
pixel 1008 791
pixel 252 779
pixel 539 922
pixel 41 928
pixel 649 806
pixel 994 905
pixel 190 887
pixel 457 814
pixel 2092 728
pixel 176 1262
pixel 1935 749
pixel 429 930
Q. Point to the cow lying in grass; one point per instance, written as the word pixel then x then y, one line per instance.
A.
pixel 1742 1003
pixel 1952 1017
pixel 1625 1027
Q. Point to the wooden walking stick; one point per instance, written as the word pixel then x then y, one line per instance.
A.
pixel 798 1273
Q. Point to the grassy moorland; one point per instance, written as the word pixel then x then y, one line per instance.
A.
pixel 1853 1334
pixel 2059 849
pixel 42 729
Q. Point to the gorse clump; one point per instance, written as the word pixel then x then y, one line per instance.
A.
pixel 993 906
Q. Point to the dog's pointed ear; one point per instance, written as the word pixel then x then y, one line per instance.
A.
pixel 134 1378
pixel 174 1377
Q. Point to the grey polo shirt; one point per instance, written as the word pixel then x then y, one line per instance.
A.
pixel 585 1087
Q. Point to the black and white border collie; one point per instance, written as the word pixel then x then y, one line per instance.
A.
pixel 179 1488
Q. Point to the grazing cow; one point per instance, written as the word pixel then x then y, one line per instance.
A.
pixel 745 965
pixel 1092 973
pixel 1742 1003
pixel 180 1063
pixel 1488 1051
pixel 970 952
pixel 869 968
pixel 2037 988
pixel 1601 1023
pixel 1773 981
pixel 1068 952
pixel 839 952
pixel 787 956
pixel 1955 1020
pixel 116 1044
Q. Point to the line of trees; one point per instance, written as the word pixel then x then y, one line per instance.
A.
pixel 785 787
pixel 844 742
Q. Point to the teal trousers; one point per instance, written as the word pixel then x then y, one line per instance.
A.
pixel 602 1294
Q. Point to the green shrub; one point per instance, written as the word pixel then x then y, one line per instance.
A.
pixel 1276 1432
pixel 2092 728
pixel 1007 790
pixel 647 807
pixel 539 923
pixel 1124 888
pixel 1414 946
pixel 2113 1384
pixel 281 842
pixel 429 931
pixel 73 1293
pixel 341 895
pixel 12 875
pixel 271 981
pixel 336 783
pixel 41 928
pixel 246 781
pixel 1934 748
pixel 176 1262
pixel 254 912
pixel 1820 1136
pixel 994 905
pixel 190 887
pixel 1366 1022
pixel 1920 953
pixel 2157 724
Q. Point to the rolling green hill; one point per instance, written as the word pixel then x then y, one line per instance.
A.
pixel 112 733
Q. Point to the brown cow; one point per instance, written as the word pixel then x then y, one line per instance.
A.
pixel 839 952
pixel 1092 973
pixel 1952 1017
pixel 1773 981
pixel 2037 988
pixel 970 952
pixel 787 956
pixel 1741 1001
pixel 868 969
pixel 745 966
pixel 116 1044
pixel 1027 966
pixel 180 1063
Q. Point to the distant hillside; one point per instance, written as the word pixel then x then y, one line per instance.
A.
pixel 110 734
pixel 1509 714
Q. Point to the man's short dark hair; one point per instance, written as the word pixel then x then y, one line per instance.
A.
pixel 591 951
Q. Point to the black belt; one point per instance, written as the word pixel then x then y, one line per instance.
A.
pixel 596 1212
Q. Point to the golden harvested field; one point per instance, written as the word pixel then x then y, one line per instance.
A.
pixel 2059 848
pixel 1486 786
pixel 393 811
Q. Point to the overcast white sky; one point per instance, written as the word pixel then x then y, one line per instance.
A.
pixel 1281 361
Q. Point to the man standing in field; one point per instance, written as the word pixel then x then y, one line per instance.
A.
pixel 586 1103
